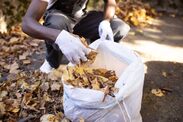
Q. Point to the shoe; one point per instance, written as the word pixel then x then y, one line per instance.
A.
pixel 45 68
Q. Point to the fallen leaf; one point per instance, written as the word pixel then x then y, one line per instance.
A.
pixel 164 74
pixel 49 118
pixel 55 86
pixel 2 108
pixel 44 86
pixel 26 61
pixel 34 86
pixel 27 98
pixel 3 94
pixel 23 56
pixel 157 92
pixel 18 95
pixel 24 85
pixel 14 40
pixel 14 68
pixel 12 105
pixel 34 43
pixel 46 97
pixel 7 66
pixel 15 110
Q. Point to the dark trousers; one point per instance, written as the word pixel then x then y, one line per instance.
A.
pixel 87 27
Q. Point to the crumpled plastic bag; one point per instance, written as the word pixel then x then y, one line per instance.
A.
pixel 125 106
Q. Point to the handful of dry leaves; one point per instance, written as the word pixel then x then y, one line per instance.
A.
pixel 83 76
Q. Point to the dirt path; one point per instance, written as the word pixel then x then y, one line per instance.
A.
pixel 160 47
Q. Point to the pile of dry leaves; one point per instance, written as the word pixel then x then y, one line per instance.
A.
pixel 135 12
pixel 30 95
pixel 26 95
pixel 91 78
pixel 33 96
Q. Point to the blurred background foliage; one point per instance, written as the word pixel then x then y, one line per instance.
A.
pixel 135 12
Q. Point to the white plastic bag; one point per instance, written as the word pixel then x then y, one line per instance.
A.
pixel 125 107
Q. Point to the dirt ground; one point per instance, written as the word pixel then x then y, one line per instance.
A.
pixel 160 47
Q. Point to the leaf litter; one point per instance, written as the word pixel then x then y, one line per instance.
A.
pixel 35 96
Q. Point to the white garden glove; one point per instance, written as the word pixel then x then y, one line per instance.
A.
pixel 72 47
pixel 105 31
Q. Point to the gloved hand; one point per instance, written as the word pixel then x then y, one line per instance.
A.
pixel 105 31
pixel 72 47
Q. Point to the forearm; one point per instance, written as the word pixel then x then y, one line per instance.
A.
pixel 109 9
pixel 36 30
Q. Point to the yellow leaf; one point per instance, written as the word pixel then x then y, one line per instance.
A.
pixel 157 92
pixel 26 61
pixel 96 85
pixel 49 118
pixel 34 86
pixel 15 110
pixel 46 97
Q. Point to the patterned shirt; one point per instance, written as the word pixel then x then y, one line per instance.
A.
pixel 74 8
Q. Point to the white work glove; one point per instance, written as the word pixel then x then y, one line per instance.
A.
pixel 105 31
pixel 72 47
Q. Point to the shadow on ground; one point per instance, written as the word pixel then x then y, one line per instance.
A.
pixel 164 30
pixel 169 107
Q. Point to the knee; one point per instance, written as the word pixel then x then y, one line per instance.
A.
pixel 121 31
pixel 59 22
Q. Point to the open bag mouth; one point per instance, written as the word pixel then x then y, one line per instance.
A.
pixel 111 56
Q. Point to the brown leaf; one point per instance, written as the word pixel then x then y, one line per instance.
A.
pixel 55 86
pixel 44 86
pixel 12 105
pixel 34 43
pixel 2 108
pixel 27 98
pixel 14 68
pixel 3 94
pixel 23 56
pixel 14 40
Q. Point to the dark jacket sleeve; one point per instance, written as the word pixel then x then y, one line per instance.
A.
pixel 105 1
